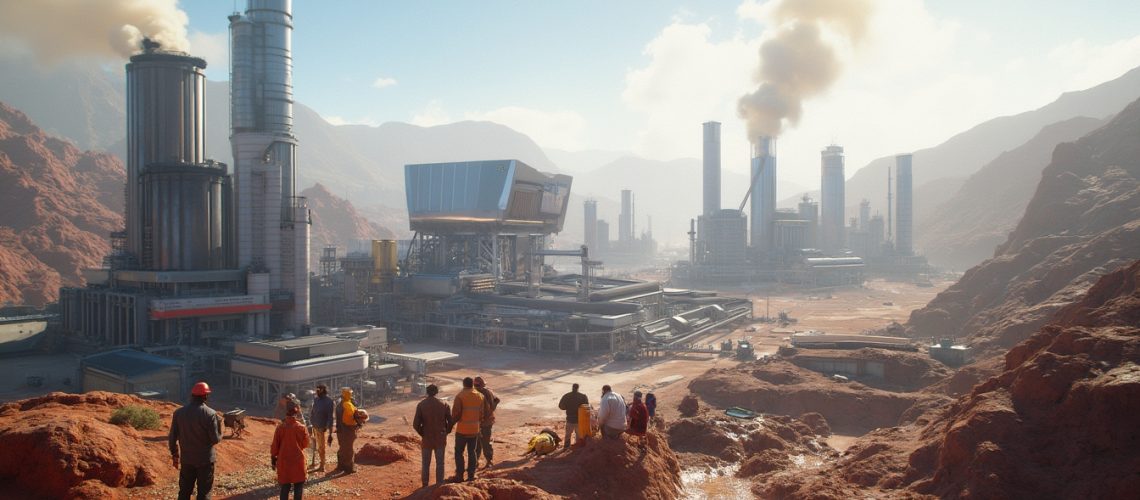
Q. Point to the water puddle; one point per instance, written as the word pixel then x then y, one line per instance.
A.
pixel 714 483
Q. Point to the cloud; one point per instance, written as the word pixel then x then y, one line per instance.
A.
pixel 383 81
pixel 1087 64
pixel 432 115
pixel 215 49
pixel 689 79
pixel 550 129
pixel 339 120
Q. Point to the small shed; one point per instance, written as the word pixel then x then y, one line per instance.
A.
pixel 129 371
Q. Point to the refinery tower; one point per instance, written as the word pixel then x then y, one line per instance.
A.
pixel 273 223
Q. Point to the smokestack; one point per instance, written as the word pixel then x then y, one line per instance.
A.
pixel 273 222
pixel 711 167
pixel 832 199
pixel 590 228
pixel 763 192
pixel 905 209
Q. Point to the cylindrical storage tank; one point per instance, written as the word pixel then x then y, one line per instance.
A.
pixel 377 259
pixel 183 217
pixel 166 117
pixel 389 257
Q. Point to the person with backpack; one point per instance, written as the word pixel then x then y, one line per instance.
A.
pixel 570 403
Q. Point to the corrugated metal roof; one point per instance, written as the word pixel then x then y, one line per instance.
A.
pixel 129 362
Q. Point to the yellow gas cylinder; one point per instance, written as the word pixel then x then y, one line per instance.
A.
pixel 584 421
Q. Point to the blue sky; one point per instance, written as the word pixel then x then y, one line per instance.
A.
pixel 641 76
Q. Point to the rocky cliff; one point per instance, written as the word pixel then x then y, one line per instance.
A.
pixel 1057 422
pixel 1082 222
pixel 336 222
pixel 58 206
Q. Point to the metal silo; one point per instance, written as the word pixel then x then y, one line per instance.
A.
pixel 165 122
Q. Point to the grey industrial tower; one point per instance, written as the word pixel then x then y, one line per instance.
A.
pixel 273 222
pixel 831 206
pixel 904 213
pixel 711 157
pixel 763 196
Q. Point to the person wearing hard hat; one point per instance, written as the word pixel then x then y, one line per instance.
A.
pixel 347 423
pixel 490 404
pixel 194 430
pixel 287 452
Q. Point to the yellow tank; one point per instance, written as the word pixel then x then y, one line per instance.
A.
pixel 584 428
pixel 389 263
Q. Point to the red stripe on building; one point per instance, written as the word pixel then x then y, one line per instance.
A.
pixel 208 311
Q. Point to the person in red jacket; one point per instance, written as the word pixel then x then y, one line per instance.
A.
pixel 288 452
pixel 638 419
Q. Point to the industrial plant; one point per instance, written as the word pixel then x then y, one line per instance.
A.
pixel 210 278
pixel 807 246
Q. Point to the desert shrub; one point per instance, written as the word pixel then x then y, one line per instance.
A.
pixel 139 417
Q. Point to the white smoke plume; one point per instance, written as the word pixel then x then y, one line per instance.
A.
pixel 61 29
pixel 801 59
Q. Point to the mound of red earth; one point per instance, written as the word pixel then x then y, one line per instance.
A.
pixel 778 386
pixel 1082 223
pixel 1058 422
pixel 388 449
pixel 57 447
pixel 760 446
pixel 602 468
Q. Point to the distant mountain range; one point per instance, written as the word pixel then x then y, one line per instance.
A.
pixel 364 164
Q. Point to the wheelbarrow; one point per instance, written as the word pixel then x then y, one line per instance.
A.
pixel 234 420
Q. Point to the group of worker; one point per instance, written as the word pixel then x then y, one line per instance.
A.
pixel 471 416
pixel 197 428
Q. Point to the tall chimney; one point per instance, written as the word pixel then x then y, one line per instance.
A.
pixel 904 222
pixel 832 199
pixel 711 167
pixel 763 194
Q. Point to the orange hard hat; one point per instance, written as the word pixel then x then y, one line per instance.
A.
pixel 200 389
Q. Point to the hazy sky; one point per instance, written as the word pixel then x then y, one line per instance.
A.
pixel 641 76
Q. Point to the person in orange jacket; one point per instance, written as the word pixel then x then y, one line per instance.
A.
pixel 467 413
pixel 288 452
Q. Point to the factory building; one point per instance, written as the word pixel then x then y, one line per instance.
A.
pixel 172 276
pixel 832 200
pixel 273 223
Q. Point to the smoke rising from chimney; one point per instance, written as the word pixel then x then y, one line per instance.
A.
pixel 60 29
pixel 801 60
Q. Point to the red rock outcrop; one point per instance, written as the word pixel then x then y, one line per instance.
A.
pixel 59 204
pixel 1082 223
pixel 337 222
pixel 1059 421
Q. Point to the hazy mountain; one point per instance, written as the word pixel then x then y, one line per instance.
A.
pixel 580 162
pixel 1082 221
pixel 965 230
pixel 966 153
pixel 337 222
pixel 57 206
